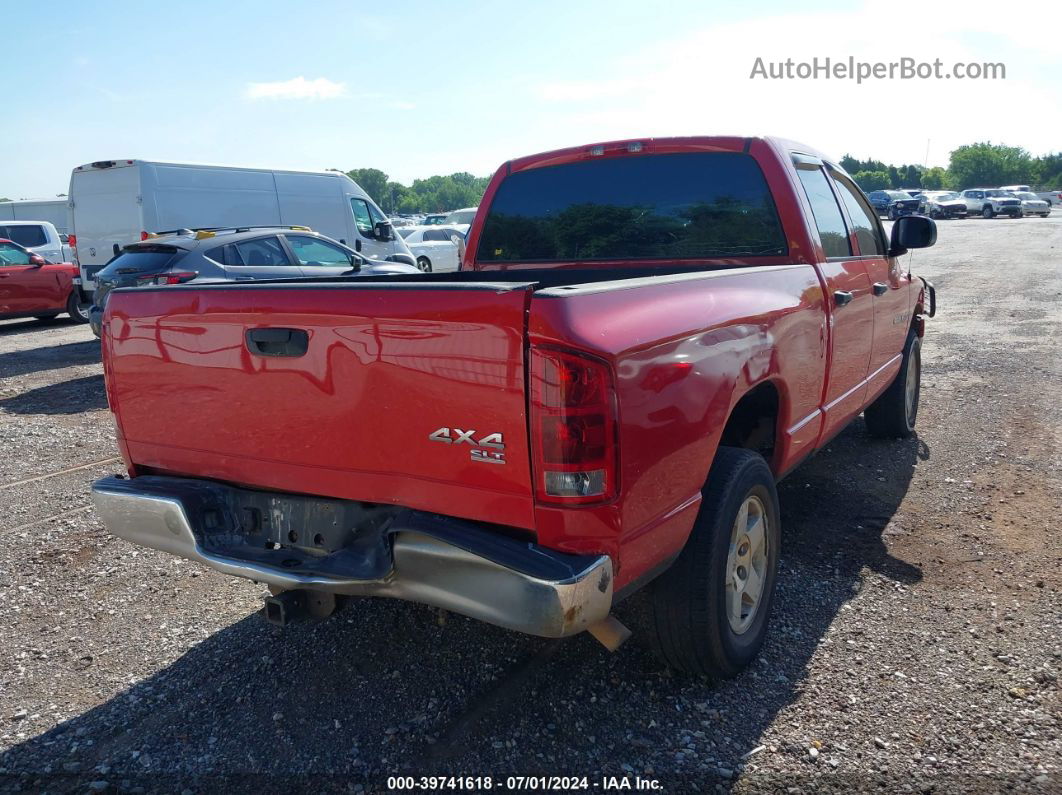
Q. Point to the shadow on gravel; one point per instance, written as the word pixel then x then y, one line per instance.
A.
pixel 36 360
pixel 65 397
pixel 387 687
pixel 30 324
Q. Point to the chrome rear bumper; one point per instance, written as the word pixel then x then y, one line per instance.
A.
pixel 438 561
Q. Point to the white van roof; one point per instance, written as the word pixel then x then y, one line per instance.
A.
pixel 122 163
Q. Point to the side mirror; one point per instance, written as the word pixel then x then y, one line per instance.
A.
pixel 912 231
pixel 383 231
pixel 37 260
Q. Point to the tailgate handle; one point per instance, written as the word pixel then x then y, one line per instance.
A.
pixel 277 341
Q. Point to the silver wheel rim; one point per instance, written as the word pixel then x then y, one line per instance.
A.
pixel 910 392
pixel 82 308
pixel 423 264
pixel 746 565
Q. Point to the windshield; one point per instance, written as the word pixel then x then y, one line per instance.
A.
pixel 674 206
pixel 1022 194
pixel 460 217
pixel 899 194
pixel 405 231
pixel 943 197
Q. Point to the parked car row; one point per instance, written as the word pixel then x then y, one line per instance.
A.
pixel 1012 201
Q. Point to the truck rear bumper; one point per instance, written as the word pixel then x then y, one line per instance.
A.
pixel 435 560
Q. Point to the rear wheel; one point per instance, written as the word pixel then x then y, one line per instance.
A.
pixel 987 211
pixel 77 307
pixel 708 612
pixel 893 414
pixel 424 264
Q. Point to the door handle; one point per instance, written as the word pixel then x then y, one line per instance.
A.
pixel 880 288
pixel 842 297
pixel 277 341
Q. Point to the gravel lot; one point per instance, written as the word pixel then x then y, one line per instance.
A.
pixel 916 644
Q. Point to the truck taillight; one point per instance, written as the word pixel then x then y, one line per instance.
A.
pixel 72 241
pixel 144 235
pixel 573 427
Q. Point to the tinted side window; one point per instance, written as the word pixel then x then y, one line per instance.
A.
pixel 264 251
pixel 27 235
pixel 864 220
pixel 436 234
pixel 217 254
pixel 828 218
pixel 362 219
pixel 311 251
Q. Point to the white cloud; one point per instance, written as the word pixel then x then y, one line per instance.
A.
pixel 698 83
pixel 297 88
pixel 399 104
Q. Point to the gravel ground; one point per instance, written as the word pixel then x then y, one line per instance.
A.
pixel 916 644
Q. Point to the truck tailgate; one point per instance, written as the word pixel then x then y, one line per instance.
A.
pixel 403 392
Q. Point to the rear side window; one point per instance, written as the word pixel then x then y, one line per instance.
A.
pixel 154 259
pixel 263 251
pixel 828 218
pixel 28 236
pixel 673 206
pixel 437 235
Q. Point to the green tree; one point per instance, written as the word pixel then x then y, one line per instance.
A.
pixel 912 176
pixel 372 181
pixel 1047 171
pixel 933 178
pixel 895 179
pixel 989 164
pixel 872 180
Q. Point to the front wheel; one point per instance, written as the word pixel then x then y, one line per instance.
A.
pixel 77 308
pixel 893 414
pixel 709 610
pixel 987 212
pixel 424 264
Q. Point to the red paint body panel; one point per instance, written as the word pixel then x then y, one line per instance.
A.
pixel 34 289
pixel 388 365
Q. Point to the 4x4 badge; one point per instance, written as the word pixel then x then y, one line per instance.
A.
pixel 459 436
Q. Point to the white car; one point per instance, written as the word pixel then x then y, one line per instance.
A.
pixel 437 248
pixel 38 237
pixel 1031 204
pixel 461 219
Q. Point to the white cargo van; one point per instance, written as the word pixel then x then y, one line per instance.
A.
pixel 116 202
pixel 54 211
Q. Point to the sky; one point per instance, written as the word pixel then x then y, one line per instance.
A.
pixel 420 88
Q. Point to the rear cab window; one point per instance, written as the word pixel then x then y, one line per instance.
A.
pixel 687 206
pixel 28 235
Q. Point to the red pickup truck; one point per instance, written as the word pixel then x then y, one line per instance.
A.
pixel 644 336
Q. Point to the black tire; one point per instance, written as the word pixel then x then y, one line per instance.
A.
pixel 77 308
pixel 891 416
pixel 688 623
pixel 892 214
pixel 424 264
pixel 1045 215
pixel 987 211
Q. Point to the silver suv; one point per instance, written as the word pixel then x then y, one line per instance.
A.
pixel 231 255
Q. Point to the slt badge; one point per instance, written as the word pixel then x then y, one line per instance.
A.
pixel 457 436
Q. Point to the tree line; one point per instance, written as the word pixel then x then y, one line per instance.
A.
pixel 970 166
pixel 431 195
